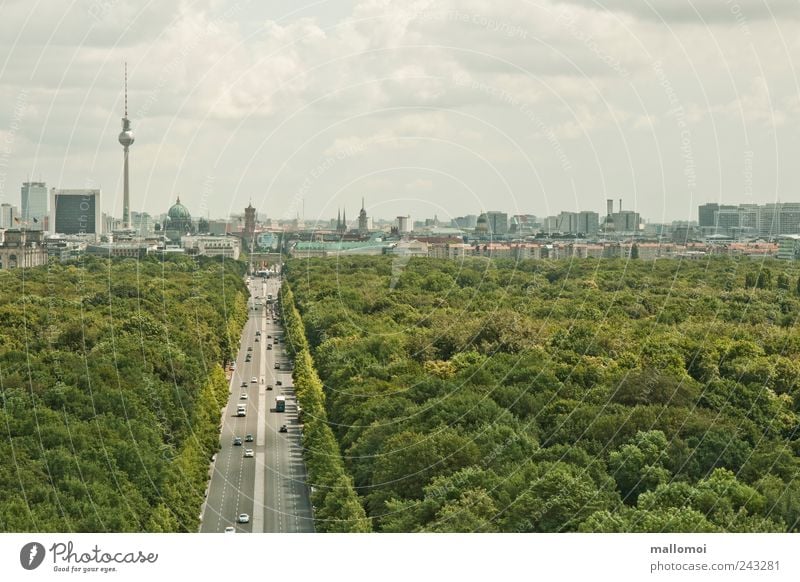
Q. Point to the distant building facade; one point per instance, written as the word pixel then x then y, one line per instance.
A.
pixel 228 247
pixel 75 212
pixel 34 204
pixel 9 216
pixel 22 248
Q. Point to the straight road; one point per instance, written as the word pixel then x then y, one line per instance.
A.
pixel 271 486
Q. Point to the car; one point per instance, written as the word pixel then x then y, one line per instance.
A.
pixel 269 386
pixel 283 428
pixel 248 438
pixel 258 333
pixel 237 441
pixel 243 518
pixel 243 396
pixel 230 529
pixel 244 384
pixel 233 366
pixel 269 336
pixel 269 346
pixel 254 380
pixel 277 366
pixel 257 340
pixel 250 348
pixel 278 383
pixel 248 452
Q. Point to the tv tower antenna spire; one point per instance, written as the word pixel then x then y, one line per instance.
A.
pixel 126 139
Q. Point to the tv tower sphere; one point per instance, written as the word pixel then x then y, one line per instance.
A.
pixel 126 135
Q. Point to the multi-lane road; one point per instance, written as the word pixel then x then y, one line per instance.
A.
pixel 270 487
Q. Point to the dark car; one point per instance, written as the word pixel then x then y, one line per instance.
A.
pixel 248 438
pixel 244 384
pixel 278 383
pixel 257 340
pixel 237 441
pixel 269 346
pixel 269 386
pixel 250 349
pixel 283 428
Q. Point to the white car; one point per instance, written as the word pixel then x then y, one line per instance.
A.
pixel 248 452
pixel 230 529
pixel 243 396
pixel 254 380
pixel 243 518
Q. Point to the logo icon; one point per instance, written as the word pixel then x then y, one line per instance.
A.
pixel 31 555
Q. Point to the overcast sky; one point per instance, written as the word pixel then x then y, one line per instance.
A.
pixel 422 107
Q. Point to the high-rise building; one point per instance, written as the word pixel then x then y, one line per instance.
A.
pixel 403 224
pixel 75 211
pixel 498 222
pixel 588 222
pixel 142 223
pixel 627 221
pixel 126 140
pixel 363 221
pixel 34 204
pixel 9 216
pixel 749 220
pixel 249 225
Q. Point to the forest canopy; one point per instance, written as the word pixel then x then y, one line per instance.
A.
pixel 112 382
pixel 550 396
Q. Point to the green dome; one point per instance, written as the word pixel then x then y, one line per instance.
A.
pixel 178 212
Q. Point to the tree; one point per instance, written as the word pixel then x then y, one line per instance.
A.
pixel 764 280
pixel 639 465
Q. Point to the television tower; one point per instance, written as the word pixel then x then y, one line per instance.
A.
pixel 126 139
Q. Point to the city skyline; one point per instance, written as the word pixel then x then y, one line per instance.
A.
pixel 320 106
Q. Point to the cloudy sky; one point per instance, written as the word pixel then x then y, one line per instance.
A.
pixel 422 107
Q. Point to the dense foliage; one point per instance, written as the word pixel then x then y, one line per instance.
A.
pixel 338 506
pixel 111 391
pixel 591 395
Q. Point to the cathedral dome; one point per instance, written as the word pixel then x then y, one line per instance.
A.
pixel 178 212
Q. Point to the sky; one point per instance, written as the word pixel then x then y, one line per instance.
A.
pixel 422 108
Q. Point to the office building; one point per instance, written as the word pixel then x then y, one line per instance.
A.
pixel 142 223
pixel 9 216
pixel 34 205
pixel 498 222
pixel 789 247
pixel 404 224
pixel 75 211
pixel 588 223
